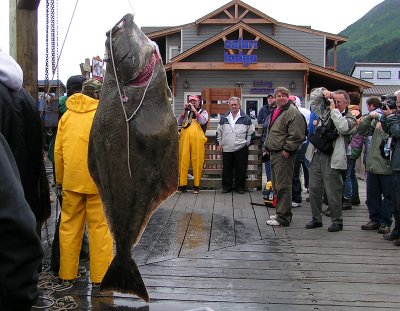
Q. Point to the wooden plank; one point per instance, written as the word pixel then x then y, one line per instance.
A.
pixel 222 227
pixel 169 242
pixel 154 229
pixel 246 227
pixel 198 234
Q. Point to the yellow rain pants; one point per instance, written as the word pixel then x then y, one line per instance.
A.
pixel 191 146
pixel 76 208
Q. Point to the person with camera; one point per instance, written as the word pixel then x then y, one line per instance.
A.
pixel 327 154
pixel 379 173
pixel 391 125
pixel 193 122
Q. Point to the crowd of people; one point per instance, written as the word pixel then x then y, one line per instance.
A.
pixel 324 142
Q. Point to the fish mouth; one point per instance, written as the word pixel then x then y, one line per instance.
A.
pixel 145 75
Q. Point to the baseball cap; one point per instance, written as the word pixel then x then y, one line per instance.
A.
pixel 91 86
pixel 270 95
pixel 194 97
pixel 75 82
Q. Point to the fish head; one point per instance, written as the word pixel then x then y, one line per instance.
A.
pixel 128 49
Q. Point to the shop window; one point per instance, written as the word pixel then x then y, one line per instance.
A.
pixel 383 74
pixel 366 74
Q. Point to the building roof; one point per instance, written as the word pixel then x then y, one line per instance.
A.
pixel 52 83
pixel 378 90
pixel 256 17
pixel 357 64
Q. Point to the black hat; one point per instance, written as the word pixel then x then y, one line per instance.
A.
pixel 75 82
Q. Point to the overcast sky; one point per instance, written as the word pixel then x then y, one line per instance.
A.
pixel 93 18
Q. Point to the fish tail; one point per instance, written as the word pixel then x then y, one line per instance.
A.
pixel 123 276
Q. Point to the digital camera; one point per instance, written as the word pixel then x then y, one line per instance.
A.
pixel 388 102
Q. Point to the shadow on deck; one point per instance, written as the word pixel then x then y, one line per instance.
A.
pixel 215 250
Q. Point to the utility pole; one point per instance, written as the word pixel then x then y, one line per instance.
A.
pixel 24 40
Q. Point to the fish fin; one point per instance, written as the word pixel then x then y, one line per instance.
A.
pixel 123 276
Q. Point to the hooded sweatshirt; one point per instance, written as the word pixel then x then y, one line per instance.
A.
pixel 10 72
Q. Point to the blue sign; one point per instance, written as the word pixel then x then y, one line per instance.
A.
pixel 240 58
pixel 241 44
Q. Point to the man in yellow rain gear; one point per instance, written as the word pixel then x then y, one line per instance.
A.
pixel 81 202
pixel 191 142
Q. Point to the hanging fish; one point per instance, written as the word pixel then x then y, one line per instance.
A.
pixel 133 147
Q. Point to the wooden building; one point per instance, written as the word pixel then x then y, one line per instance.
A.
pixel 236 45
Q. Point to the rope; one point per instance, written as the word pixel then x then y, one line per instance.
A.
pixel 48 282
pixel 122 98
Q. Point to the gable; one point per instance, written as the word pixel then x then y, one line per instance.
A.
pixel 245 32
pixel 234 12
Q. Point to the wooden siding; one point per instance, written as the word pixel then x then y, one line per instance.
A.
pixel 307 44
pixel 191 37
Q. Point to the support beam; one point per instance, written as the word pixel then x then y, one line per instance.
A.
pixel 28 4
pixel 24 43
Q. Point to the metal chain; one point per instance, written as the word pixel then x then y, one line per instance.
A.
pixel 46 69
pixel 53 37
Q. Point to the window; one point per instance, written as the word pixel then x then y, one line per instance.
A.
pixel 173 51
pixel 384 74
pixel 366 74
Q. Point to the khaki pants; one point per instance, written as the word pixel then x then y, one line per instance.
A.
pixel 323 176
pixel 282 176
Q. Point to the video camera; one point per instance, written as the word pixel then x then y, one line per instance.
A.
pixel 389 102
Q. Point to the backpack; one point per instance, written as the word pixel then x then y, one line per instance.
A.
pixel 269 195
pixel 324 136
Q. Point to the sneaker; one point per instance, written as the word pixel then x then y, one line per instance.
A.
pixel 273 222
pixel 355 201
pixel 294 204
pixel 370 225
pixel 196 190
pixel 384 229
pixel 272 217
pixel 182 189
pixel 396 242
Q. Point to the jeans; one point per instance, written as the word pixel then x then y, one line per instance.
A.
pixel 267 165
pixel 351 184
pixel 379 209
pixel 296 183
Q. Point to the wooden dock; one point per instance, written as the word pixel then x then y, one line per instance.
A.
pixel 215 250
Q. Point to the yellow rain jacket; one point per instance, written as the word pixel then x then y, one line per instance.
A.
pixel 81 202
pixel 70 153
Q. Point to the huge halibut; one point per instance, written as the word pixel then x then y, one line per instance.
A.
pixel 133 147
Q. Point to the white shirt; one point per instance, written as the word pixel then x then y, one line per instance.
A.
pixel 233 120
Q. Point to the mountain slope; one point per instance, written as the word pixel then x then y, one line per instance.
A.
pixel 373 38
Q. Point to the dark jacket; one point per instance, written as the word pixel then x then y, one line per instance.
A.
pixel 21 126
pixel 20 248
pixel 263 114
pixel 391 125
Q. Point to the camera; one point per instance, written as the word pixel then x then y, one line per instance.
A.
pixel 326 101
pixel 388 102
